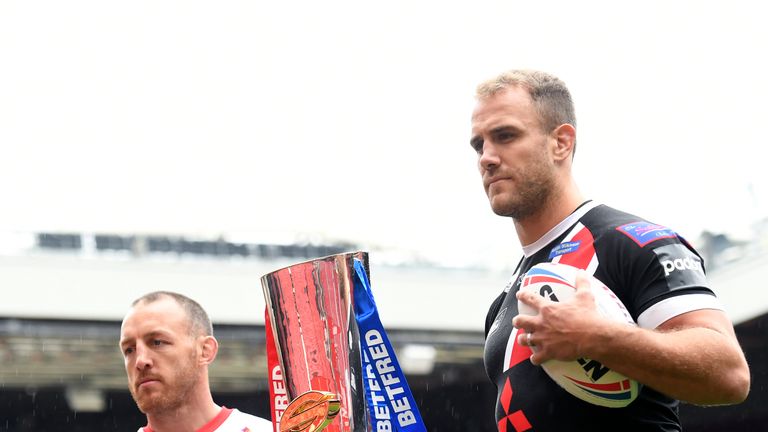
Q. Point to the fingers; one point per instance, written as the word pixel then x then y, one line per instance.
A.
pixel 529 340
pixel 525 321
pixel 543 331
pixel 582 281
pixel 531 299
pixel 526 339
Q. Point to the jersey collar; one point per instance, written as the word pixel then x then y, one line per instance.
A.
pixel 559 229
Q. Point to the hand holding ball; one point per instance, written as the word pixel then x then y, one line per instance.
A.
pixel 584 378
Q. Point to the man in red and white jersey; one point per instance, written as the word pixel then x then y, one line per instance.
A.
pixel 684 347
pixel 167 343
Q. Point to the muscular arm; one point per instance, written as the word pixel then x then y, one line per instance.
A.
pixel 693 357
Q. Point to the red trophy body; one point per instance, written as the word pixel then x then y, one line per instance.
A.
pixel 311 312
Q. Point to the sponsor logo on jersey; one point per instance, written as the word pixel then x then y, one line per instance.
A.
pixel 564 248
pixel 512 417
pixel 682 268
pixel 583 255
pixel 645 232
pixel 677 264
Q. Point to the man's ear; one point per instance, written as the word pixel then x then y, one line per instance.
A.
pixel 209 347
pixel 565 136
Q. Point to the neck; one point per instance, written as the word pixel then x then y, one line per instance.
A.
pixel 191 416
pixel 557 207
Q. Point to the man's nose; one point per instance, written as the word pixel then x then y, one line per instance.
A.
pixel 489 157
pixel 143 357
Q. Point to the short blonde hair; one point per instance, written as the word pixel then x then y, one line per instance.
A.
pixel 549 94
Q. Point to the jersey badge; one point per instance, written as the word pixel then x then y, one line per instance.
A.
pixel 645 232
pixel 564 248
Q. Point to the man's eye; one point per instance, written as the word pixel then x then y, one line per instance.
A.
pixel 157 342
pixel 505 136
pixel 477 145
pixel 128 350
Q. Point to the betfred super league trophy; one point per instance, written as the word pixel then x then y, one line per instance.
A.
pixel 317 342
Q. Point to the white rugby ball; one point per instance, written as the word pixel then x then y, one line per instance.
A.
pixel 584 378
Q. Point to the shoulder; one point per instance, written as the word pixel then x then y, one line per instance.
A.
pixel 616 231
pixel 653 269
pixel 240 421
pixel 605 219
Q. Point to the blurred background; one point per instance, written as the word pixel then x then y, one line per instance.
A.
pixel 193 146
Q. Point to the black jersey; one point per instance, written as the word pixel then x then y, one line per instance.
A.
pixel 655 273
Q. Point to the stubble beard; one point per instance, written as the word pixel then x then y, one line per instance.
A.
pixel 531 195
pixel 178 391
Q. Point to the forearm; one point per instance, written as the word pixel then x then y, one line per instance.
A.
pixel 694 356
pixel 698 365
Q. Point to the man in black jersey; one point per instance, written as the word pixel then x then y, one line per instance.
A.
pixel 684 347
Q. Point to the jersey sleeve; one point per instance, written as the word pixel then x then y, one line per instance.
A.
pixel 661 279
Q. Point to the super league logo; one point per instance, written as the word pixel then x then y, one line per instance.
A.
pixel 310 412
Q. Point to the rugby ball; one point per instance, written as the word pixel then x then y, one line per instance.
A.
pixel 584 378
